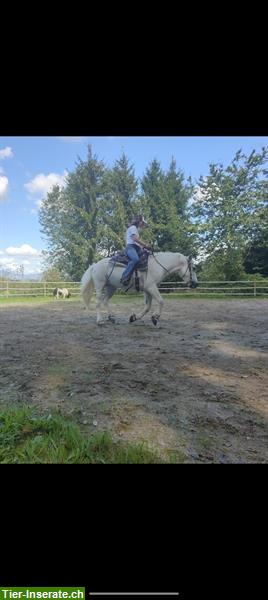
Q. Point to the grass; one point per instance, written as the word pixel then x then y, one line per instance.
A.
pixel 117 299
pixel 214 295
pixel 27 436
pixel 190 295
pixel 36 299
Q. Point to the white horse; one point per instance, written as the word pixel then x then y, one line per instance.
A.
pixel 105 277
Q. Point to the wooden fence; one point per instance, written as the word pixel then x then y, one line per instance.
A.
pixel 226 288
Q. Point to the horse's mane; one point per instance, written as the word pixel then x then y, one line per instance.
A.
pixel 167 252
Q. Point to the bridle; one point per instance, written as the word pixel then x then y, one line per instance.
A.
pixel 189 266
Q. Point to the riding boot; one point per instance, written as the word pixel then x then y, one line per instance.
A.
pixel 125 282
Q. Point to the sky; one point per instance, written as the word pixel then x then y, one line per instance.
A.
pixel 30 166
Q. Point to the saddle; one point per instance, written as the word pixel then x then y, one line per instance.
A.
pixel 121 260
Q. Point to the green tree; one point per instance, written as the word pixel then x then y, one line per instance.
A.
pixel 52 274
pixel 119 205
pixel 124 185
pixel 256 257
pixel 165 199
pixel 71 218
pixel 178 192
pixel 228 208
pixel 50 218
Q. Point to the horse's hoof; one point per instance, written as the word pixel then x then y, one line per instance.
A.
pixel 112 319
pixel 155 320
pixel 132 318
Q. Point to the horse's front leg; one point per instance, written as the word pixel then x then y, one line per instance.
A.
pixel 148 299
pixel 157 296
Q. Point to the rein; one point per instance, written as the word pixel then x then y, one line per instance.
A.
pixel 190 271
pixel 167 270
pixel 160 263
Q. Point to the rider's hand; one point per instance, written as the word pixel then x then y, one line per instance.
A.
pixel 148 247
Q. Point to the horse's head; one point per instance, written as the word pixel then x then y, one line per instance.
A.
pixel 190 275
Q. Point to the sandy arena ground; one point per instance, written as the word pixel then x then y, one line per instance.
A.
pixel 197 386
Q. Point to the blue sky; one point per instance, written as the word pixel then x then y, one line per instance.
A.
pixel 29 166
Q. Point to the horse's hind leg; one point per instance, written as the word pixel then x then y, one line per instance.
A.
pixel 108 293
pixel 99 300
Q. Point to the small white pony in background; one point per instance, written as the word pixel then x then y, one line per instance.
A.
pixel 61 293
pixel 105 277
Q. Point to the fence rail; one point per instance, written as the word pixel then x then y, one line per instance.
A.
pixel 29 288
pixel 231 288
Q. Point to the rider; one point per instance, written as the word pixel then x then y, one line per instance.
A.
pixel 133 244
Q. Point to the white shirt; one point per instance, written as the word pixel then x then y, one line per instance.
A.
pixel 132 230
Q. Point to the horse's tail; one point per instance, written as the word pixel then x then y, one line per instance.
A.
pixel 87 285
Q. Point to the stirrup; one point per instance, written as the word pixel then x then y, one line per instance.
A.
pixel 125 282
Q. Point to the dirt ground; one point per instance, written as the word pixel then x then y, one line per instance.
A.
pixel 197 386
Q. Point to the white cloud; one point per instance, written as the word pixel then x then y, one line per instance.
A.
pixel 12 258
pixel 3 187
pixel 7 261
pixel 24 250
pixel 38 203
pixel 25 262
pixel 11 266
pixel 41 184
pixel 6 153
